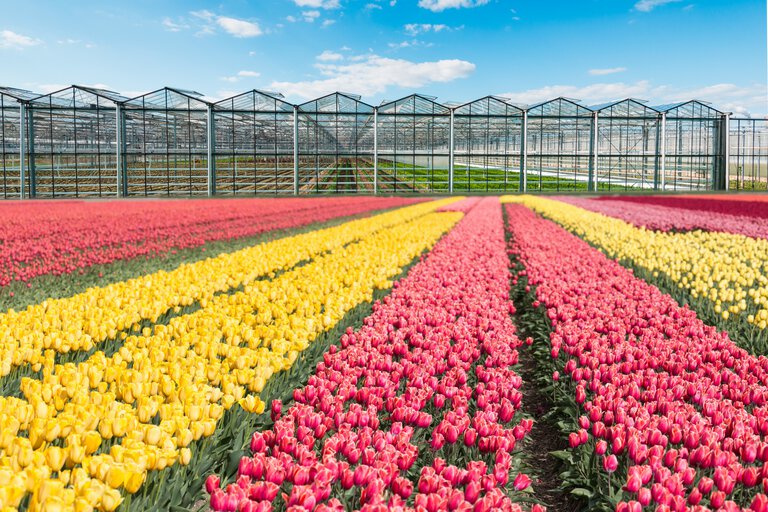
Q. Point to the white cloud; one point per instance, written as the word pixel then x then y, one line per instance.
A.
pixel 418 28
pixel 239 28
pixel 291 19
pixel 409 44
pixel 172 26
pixel 205 22
pixel 372 74
pixel 10 39
pixel 373 6
pixel 649 5
pixel 441 5
pixel 240 75
pixel 727 97
pixel 328 23
pixel 329 56
pixel 606 71
pixel 318 4
pixel 203 14
pixel 310 16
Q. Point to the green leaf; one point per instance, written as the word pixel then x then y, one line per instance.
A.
pixel 561 454
pixel 583 493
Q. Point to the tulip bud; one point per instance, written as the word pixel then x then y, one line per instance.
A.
pixel 610 463
pixel 212 483
pixel 522 481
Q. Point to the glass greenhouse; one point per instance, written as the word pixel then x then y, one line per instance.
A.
pixel 87 142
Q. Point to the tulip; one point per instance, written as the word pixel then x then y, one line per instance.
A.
pixel 610 463
pixel 522 481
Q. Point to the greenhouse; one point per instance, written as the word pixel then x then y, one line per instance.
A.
pixel 88 142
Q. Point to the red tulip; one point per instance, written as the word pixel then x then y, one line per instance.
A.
pixel 522 481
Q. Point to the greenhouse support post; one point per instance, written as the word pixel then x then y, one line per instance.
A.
pixel 726 150
pixel 663 151
pixel 210 134
pixel 375 150
pixel 450 156
pixel 22 149
pixel 524 154
pixel 592 178
pixel 118 147
pixel 295 150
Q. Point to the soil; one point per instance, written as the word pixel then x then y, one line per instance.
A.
pixel 543 439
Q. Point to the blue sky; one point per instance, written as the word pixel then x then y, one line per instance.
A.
pixel 457 50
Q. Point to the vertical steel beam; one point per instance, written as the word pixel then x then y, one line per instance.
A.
pixel 375 150
pixel 118 148
pixel 22 148
pixel 663 152
pixel 593 143
pixel 726 150
pixel 450 156
pixel 211 141
pixel 295 150
pixel 524 154
pixel 657 157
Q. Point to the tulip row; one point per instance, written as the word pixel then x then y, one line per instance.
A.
pixel 668 218
pixel 723 276
pixel 79 323
pixel 728 205
pixel 83 431
pixel 670 407
pixel 59 238
pixel 417 409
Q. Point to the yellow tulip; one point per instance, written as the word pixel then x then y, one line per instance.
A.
pixel 55 457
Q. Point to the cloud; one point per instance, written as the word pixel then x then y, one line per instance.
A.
pixel 310 16
pixel 171 26
pixel 318 4
pixel 649 5
pixel 238 28
pixel 10 39
pixel 372 74
pixel 441 5
pixel 206 23
pixel 240 75
pixel 409 44
pixel 606 71
pixel 329 56
pixel 739 99
pixel 419 28
pixel 328 23
pixel 373 6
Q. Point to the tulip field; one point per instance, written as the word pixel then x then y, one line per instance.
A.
pixel 514 353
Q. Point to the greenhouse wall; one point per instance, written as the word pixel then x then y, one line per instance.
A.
pixel 86 142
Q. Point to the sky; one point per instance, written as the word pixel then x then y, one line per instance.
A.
pixel 456 50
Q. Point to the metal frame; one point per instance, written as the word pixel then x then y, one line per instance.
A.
pixel 253 149
pixel 747 159
pixel 75 139
pixel 559 145
pixel 692 146
pixel 81 141
pixel 627 145
pixel 488 143
pixel 336 145
pixel 166 143
pixel 414 145
pixel 14 141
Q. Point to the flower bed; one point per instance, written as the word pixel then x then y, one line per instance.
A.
pixel 81 432
pixel 62 237
pixel 416 409
pixel 670 218
pixel 669 411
